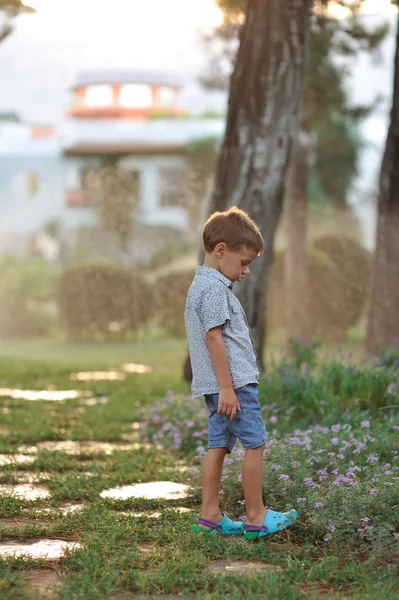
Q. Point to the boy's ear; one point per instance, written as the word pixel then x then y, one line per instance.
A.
pixel 220 249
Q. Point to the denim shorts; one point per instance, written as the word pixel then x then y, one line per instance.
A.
pixel 247 427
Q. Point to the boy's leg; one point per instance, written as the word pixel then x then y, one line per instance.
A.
pixel 211 475
pixel 252 475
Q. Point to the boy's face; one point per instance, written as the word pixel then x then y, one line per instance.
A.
pixel 234 264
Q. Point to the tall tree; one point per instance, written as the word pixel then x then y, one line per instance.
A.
pixel 263 115
pixel 9 9
pixel 326 118
pixel 383 318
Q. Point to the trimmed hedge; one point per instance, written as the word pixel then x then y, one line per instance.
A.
pixel 170 294
pixel 27 298
pixel 339 270
pixel 102 298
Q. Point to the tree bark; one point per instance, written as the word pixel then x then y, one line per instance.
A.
pixel 263 119
pixel 298 318
pixel 383 318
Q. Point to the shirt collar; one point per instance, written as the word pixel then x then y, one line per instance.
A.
pixel 209 272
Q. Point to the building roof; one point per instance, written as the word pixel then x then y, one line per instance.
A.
pixel 85 135
pixel 118 76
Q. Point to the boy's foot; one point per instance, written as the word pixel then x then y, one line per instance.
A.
pixel 225 527
pixel 273 523
pixel 257 519
pixel 215 518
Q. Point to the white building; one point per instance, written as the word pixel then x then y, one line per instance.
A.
pixel 130 118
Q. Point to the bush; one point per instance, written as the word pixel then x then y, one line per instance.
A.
pixel 338 278
pixel 170 299
pixel 27 297
pixel 102 298
pixel 343 285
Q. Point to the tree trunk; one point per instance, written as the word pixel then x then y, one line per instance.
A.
pixel 298 318
pixel 265 95
pixel 383 318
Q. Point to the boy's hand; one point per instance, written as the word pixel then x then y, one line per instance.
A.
pixel 228 403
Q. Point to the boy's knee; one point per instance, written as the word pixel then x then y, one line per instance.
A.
pixel 259 449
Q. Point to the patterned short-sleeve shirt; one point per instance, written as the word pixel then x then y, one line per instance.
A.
pixel 211 303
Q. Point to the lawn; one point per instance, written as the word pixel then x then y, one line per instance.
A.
pixel 332 454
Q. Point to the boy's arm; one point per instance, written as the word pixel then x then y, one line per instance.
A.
pixel 228 401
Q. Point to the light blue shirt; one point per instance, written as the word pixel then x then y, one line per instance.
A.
pixel 211 303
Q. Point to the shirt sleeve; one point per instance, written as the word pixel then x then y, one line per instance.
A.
pixel 214 308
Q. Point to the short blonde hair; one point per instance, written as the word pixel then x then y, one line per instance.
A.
pixel 235 228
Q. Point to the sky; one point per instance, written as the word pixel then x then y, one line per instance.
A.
pixel 40 60
pixel 42 57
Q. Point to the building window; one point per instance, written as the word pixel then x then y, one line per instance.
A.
pixel 166 97
pixel 134 95
pixel 173 187
pixel 33 183
pixel 99 96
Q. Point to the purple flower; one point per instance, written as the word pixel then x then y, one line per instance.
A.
pixel 240 501
pixel 336 428
pixel 284 477
pixel 332 528
pixel 374 491
pixel 365 519
pixel 395 535
pixel 239 478
pixel 365 424
pixel 335 441
pixel 318 504
pixel 372 458
pixel 301 499
pixel 327 539
pixel 273 419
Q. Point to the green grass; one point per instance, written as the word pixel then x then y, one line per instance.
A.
pixel 110 561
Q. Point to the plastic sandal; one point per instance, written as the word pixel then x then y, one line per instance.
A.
pixel 225 527
pixel 273 523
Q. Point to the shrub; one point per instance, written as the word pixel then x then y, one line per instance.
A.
pixel 338 278
pixel 27 297
pixel 346 286
pixel 170 294
pixel 101 298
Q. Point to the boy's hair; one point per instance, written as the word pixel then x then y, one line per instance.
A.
pixel 235 228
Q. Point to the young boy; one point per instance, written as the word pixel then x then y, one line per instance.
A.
pixel 223 361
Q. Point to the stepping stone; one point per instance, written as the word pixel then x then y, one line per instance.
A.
pixel 133 368
pixel 127 596
pixel 63 509
pixel 31 477
pixel 49 395
pixel 146 548
pixel 95 400
pixel 152 515
pixel 167 490
pixel 73 447
pixel 42 582
pixel 27 491
pixel 224 566
pixel 21 523
pixel 17 459
pixel 34 548
pixel 98 376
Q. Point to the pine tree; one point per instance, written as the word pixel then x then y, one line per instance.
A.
pixel 9 9
pixel 383 319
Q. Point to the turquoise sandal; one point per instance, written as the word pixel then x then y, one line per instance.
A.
pixel 225 527
pixel 273 523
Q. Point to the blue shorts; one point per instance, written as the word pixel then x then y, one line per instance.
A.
pixel 247 427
